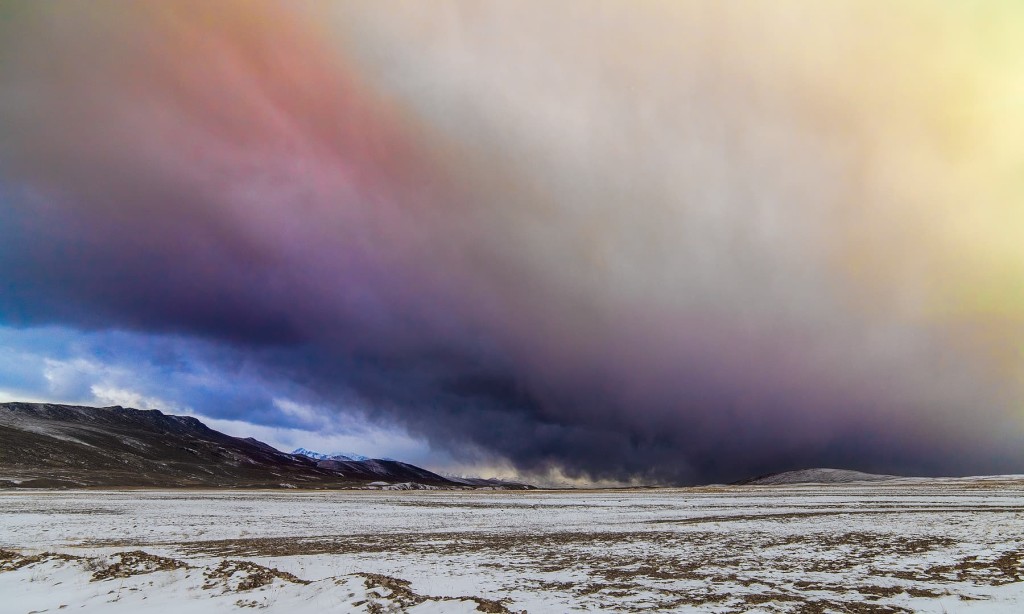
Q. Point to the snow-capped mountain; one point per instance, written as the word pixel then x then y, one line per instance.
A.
pixel 347 456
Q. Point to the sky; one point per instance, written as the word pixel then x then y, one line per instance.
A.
pixel 666 242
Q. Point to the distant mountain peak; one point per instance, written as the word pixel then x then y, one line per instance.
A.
pixel 340 456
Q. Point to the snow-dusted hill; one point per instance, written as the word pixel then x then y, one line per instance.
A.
pixel 817 476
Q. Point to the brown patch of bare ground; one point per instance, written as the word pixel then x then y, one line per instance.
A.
pixel 246 576
pixel 135 563
pixel 11 560
pixel 401 593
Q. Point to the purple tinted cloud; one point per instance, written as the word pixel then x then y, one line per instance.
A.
pixel 658 281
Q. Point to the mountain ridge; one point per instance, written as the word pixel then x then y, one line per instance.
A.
pixel 342 456
pixel 50 445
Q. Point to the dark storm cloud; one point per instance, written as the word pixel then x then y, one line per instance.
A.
pixel 588 249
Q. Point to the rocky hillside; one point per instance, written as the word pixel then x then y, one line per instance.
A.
pixel 46 445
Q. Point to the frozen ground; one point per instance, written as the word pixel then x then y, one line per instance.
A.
pixel 899 546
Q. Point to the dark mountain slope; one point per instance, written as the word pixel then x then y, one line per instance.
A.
pixel 47 445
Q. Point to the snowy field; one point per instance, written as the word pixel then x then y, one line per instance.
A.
pixel 902 546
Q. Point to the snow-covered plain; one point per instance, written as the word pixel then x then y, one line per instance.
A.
pixel 897 546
